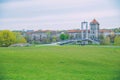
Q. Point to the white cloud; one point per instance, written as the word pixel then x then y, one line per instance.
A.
pixel 57 4
pixel 69 16
pixel 52 13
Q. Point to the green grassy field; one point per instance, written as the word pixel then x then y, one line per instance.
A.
pixel 60 63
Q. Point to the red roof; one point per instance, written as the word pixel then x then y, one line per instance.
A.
pixel 94 21
pixel 105 30
pixel 76 31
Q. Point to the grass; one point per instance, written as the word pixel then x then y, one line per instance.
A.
pixel 60 63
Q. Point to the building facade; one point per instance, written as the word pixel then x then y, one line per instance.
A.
pixel 94 30
pixel 89 31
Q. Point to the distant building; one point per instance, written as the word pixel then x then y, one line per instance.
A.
pixel 94 30
pixel 41 36
pixel 85 33
pixel 74 34
pixel 105 32
pixel 91 32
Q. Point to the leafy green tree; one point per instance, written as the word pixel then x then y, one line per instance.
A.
pixel 23 40
pixel 64 36
pixel 117 40
pixel 19 38
pixel 7 38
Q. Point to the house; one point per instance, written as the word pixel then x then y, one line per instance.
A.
pixel 42 36
pixel 106 32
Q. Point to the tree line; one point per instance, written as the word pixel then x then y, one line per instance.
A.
pixel 111 39
pixel 8 38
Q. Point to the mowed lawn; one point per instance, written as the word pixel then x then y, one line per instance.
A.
pixel 60 63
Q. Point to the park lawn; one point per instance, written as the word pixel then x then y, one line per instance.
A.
pixel 60 63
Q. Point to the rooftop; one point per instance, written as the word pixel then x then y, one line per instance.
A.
pixel 94 21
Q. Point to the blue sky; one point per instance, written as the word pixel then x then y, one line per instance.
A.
pixel 57 14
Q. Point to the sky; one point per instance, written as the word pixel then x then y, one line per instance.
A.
pixel 57 14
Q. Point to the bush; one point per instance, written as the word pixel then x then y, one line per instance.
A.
pixel 7 38
pixel 105 41
pixel 117 40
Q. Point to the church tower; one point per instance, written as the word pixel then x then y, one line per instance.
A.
pixel 94 30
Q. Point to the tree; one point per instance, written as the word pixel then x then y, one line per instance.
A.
pixel 104 40
pixel 101 37
pixel 112 36
pixel 23 40
pixel 54 39
pixel 49 38
pixel 19 38
pixel 116 30
pixel 7 38
pixel 107 40
pixel 28 38
pixel 64 36
pixel 117 40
